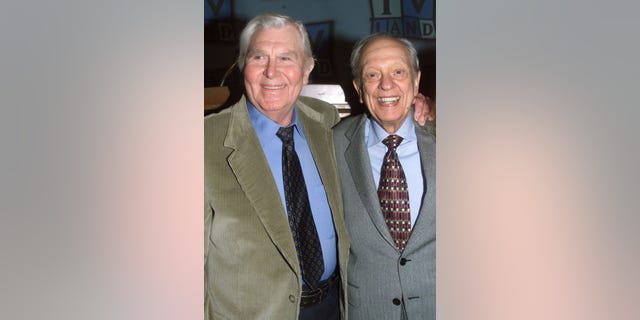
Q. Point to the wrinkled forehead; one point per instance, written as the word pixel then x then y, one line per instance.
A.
pixel 392 55
pixel 285 38
pixel 385 47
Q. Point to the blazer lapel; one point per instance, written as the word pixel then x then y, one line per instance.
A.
pixel 317 124
pixel 252 171
pixel 424 228
pixel 360 168
pixel 314 125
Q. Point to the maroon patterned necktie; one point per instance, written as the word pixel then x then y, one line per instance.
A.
pixel 301 221
pixel 394 194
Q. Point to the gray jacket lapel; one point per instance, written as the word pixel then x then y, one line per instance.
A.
pixel 424 228
pixel 360 168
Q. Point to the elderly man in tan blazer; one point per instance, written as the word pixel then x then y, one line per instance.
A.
pixel 261 260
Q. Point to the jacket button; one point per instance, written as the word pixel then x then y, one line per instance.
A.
pixel 396 301
pixel 403 261
pixel 292 298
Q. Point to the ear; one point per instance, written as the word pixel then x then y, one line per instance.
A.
pixel 355 85
pixel 416 83
pixel 307 71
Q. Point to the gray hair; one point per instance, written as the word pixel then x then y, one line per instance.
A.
pixel 267 21
pixel 356 54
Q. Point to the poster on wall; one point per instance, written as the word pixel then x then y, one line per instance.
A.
pixel 405 18
pixel 320 35
pixel 218 21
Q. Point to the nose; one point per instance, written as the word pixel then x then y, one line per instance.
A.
pixel 270 69
pixel 386 82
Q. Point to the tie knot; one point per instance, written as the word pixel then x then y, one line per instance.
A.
pixel 392 141
pixel 285 134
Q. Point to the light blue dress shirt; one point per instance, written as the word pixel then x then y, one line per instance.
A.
pixel 407 154
pixel 272 147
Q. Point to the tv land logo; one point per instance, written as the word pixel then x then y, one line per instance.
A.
pixel 405 18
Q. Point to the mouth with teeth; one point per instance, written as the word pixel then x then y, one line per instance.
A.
pixel 273 87
pixel 388 100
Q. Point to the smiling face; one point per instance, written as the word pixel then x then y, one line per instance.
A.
pixel 275 71
pixel 388 83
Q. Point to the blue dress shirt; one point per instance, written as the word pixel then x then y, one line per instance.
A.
pixel 407 154
pixel 272 147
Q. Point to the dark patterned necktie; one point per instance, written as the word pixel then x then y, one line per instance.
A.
pixel 394 194
pixel 301 222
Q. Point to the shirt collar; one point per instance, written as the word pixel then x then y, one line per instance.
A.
pixel 267 127
pixel 377 133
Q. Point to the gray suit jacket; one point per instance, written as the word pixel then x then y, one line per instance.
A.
pixel 378 274
pixel 251 269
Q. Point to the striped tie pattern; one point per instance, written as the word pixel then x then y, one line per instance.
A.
pixel 394 194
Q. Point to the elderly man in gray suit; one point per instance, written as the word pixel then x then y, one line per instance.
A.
pixel 386 165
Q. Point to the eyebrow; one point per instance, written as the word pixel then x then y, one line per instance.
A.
pixel 289 53
pixel 254 51
pixel 286 53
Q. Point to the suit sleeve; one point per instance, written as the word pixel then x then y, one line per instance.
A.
pixel 429 127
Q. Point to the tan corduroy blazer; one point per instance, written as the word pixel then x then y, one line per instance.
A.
pixel 251 268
